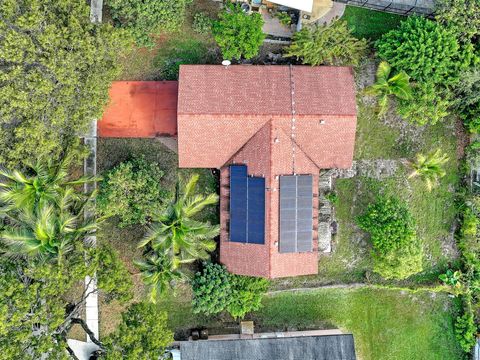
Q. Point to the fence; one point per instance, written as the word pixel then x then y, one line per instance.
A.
pixel 401 7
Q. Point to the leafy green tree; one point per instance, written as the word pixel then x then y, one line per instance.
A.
pixel 176 230
pixel 237 33
pixel 159 271
pixel 56 70
pixel 426 50
pixel 387 86
pixel 145 18
pixel 142 335
pixel 133 192
pixel 216 290
pixel 462 15
pixel 212 289
pixel 36 316
pixel 331 44
pixel 428 105
pixel 465 327
pixel 430 168
pixel 397 253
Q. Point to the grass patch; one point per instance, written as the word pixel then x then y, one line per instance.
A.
pixel 386 324
pixel 370 24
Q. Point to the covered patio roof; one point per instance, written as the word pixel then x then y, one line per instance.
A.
pixel 303 5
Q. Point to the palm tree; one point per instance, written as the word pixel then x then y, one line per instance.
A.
pixel 429 168
pixel 48 232
pixel 386 86
pixel 42 183
pixel 158 271
pixel 186 239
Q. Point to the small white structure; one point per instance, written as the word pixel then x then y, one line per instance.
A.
pixel 303 5
pixel 82 349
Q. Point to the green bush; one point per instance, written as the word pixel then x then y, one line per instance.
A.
pixel 331 44
pixel 216 290
pixel 202 23
pixel 332 196
pixel 426 50
pixel 132 191
pixel 238 34
pixel 177 52
pixel 428 105
pixel 144 18
pixel 247 294
pixel 462 15
pixel 465 328
pixel 212 289
pixel 397 253
pixel 467 99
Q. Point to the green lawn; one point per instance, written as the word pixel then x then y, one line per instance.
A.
pixel 386 324
pixel 370 24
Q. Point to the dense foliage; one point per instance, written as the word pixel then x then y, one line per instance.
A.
pixel 56 69
pixel 428 105
pixel 467 99
pixel 462 15
pixel 133 192
pixel 142 335
pixel 145 18
pixel 331 44
pixel 216 290
pixel 202 23
pixel 397 253
pixel 427 51
pixel 238 34
pixel 466 329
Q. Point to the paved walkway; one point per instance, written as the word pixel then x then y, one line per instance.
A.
pixel 335 12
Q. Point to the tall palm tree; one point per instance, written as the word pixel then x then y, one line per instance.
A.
pixel 158 271
pixel 429 168
pixel 387 86
pixel 42 183
pixel 48 233
pixel 176 230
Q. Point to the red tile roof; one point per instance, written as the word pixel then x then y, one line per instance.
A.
pixel 278 120
pixel 140 109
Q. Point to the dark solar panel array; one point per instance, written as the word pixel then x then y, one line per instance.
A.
pixel 247 206
pixel 296 213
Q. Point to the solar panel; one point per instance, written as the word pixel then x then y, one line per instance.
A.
pixel 296 213
pixel 247 206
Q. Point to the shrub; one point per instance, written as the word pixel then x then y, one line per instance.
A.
pixel 426 50
pixel 238 34
pixel 332 196
pixel 216 290
pixel 428 105
pixel 142 334
pixel 462 15
pixel 202 23
pixel 331 44
pixel 465 328
pixel 397 252
pixel 467 99
pixel 132 192
pixel 177 52
pixel 247 294
pixel 212 289
pixel 146 17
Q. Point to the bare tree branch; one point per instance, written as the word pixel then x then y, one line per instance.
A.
pixel 89 332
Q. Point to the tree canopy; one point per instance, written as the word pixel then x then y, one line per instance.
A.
pixel 55 71
pixel 238 34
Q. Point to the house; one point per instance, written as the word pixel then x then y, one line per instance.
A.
pixel 270 130
pixel 305 345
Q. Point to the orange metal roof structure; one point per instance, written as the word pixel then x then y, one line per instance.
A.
pixel 140 109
